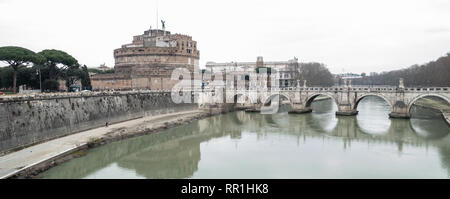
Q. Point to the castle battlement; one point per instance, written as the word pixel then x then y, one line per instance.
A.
pixel 151 51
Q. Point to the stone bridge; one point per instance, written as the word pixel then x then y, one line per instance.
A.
pixel 347 98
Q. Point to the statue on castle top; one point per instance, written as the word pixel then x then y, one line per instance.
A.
pixel 163 24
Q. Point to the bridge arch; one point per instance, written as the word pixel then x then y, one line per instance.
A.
pixel 377 95
pixel 311 98
pixel 270 97
pixel 426 95
pixel 241 98
pixel 237 98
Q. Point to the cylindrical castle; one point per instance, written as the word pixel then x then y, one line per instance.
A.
pixel 148 62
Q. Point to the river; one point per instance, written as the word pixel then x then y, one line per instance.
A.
pixel 252 145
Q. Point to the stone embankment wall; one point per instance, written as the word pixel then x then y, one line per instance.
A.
pixel 437 105
pixel 30 119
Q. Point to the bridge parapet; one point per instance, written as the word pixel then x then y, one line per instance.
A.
pixel 347 89
pixel 47 96
pixel 346 98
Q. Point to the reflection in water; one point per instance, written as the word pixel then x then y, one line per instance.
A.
pixel 430 130
pixel 373 116
pixel 252 145
pixel 323 114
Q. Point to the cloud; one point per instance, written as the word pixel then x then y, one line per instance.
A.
pixel 438 30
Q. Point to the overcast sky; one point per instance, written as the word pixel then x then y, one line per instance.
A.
pixel 347 35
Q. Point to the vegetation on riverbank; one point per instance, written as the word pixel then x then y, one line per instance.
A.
pixel 26 67
pixel 435 73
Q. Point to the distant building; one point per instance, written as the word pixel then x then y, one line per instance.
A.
pixel 288 71
pixel 148 62
pixel 91 74
pixel 103 67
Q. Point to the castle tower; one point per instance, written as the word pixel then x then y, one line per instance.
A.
pixel 259 61
pixel 148 62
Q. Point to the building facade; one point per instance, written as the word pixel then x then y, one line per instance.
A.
pixel 288 71
pixel 148 62
pixel 103 68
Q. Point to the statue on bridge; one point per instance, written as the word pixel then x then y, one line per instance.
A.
pixel 400 84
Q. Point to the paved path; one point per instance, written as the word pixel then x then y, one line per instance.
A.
pixel 15 162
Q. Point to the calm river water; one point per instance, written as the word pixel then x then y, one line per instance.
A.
pixel 251 145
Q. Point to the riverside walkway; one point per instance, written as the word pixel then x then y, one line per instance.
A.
pixel 42 155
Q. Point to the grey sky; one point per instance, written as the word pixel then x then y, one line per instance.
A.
pixel 346 35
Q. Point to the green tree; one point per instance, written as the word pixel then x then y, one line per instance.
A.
pixel 71 75
pixel 28 76
pixel 6 77
pixel 18 57
pixel 58 62
pixel 85 79
pixel 50 85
